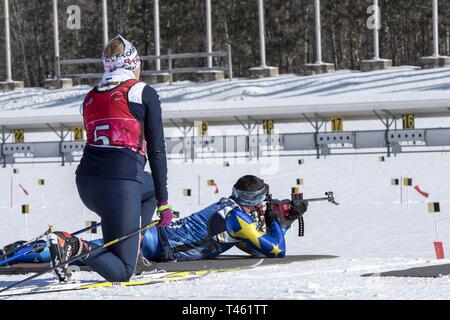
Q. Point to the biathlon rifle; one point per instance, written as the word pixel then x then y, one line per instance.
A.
pixel 284 206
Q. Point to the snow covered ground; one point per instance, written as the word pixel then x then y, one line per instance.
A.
pixel 344 88
pixel 370 230
pixel 399 83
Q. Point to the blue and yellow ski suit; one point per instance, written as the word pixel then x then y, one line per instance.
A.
pixel 204 235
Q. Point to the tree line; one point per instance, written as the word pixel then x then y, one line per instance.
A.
pixel 405 35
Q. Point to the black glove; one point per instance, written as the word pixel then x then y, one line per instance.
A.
pixel 272 216
pixel 298 209
pixel 39 248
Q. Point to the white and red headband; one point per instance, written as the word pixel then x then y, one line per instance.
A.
pixel 128 59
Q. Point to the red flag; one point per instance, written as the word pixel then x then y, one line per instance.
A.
pixel 211 182
pixel 215 185
pixel 423 193
pixel 24 191
pixel 439 249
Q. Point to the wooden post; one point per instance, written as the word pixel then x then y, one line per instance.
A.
pixel 401 190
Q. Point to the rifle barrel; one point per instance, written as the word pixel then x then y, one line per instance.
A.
pixel 317 199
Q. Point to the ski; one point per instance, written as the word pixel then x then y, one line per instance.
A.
pixel 256 264
pixel 147 278
pixel 430 271
pixel 221 262
pixel 214 269
pixel 141 280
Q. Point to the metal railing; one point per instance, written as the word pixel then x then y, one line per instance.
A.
pixel 253 146
pixel 170 57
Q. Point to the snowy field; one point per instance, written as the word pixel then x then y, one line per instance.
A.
pixel 344 87
pixel 370 231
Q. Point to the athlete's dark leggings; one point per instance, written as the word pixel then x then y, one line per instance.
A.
pixel 120 204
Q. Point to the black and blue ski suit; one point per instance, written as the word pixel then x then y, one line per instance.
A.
pixel 124 125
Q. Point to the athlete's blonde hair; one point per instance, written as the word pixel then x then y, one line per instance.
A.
pixel 113 48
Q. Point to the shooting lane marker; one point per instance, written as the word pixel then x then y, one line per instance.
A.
pixel 90 223
pixel 92 231
pixel 395 182
pixel 212 183
pixel 407 182
pixel 78 133
pixel 268 126
pixel 15 171
pixel 41 183
pixel 433 208
pixel 337 124
pixel 19 136
pixel 203 128
pixel 26 211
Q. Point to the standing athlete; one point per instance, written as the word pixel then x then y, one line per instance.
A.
pixel 122 117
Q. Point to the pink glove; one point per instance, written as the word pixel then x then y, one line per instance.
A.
pixel 165 214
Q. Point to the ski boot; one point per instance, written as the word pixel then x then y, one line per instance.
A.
pixel 64 246
pixel 142 265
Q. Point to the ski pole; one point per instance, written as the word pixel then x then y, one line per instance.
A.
pixel 76 258
pixel 86 229
pixel 40 247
